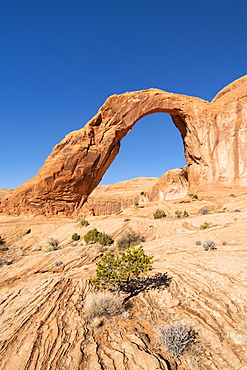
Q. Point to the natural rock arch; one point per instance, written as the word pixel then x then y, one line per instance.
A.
pixel 214 137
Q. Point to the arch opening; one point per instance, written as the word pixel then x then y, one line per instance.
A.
pixel 153 147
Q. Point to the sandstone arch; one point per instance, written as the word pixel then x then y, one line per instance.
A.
pixel 214 136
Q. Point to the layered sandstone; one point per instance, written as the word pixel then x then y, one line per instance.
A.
pixel 214 136
pixel 109 199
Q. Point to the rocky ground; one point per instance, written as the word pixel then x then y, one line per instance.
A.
pixel 42 320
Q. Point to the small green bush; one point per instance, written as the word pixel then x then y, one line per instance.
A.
pixel 84 222
pixel 104 239
pixel 136 204
pixel 128 239
pixel 96 236
pixel 126 219
pixel 102 304
pixel 75 237
pixel 193 196
pixel 142 192
pixel 181 214
pixel 116 271
pixel 91 236
pixel 205 225
pixel 159 213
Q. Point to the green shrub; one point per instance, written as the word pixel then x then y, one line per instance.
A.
pixel 205 225
pixel 84 222
pixel 104 239
pixel 128 239
pixel 126 219
pixel 75 237
pixel 136 204
pixel 193 196
pixel 159 213
pixel 96 236
pixel 102 304
pixel 116 271
pixel 142 192
pixel 180 214
pixel 91 236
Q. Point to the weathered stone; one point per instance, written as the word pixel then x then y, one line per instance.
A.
pixel 214 136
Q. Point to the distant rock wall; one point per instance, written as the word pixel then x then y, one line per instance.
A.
pixel 214 136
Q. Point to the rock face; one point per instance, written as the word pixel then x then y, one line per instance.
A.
pixel 172 185
pixel 110 199
pixel 214 136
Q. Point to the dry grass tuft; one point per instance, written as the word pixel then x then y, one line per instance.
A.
pixel 103 303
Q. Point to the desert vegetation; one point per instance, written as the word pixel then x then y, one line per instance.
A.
pixel 115 271
pixel 103 303
pixel 128 239
pixel 159 213
pixel 178 339
pixel 96 236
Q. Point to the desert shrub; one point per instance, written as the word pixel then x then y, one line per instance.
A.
pixel 209 245
pixel 224 242
pixel 205 225
pixel 116 271
pixel 96 236
pixel 128 239
pixel 198 242
pixel 75 237
pixel 91 236
pixel 136 204
pixel 104 303
pixel 3 262
pixel 84 222
pixel 204 211
pixel 126 219
pixel 180 214
pixel 53 243
pixel 104 239
pixel 177 338
pixel 159 213
pixel 142 192
pixel 193 196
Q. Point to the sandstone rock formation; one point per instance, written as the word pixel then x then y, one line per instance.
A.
pixel 172 185
pixel 214 136
pixel 109 199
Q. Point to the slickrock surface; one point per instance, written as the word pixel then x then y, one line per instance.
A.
pixel 214 136
pixel 42 321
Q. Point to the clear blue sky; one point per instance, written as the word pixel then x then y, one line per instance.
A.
pixel 60 60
